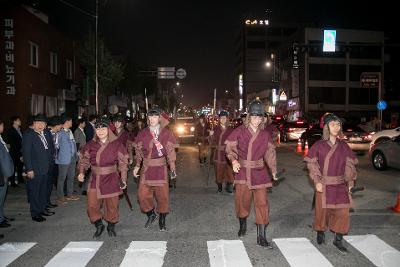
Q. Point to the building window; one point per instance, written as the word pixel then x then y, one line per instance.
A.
pixel 69 69
pixel 33 55
pixel 363 96
pixel 327 95
pixel 53 63
pixel 327 72
pixel 357 70
pixel 256 45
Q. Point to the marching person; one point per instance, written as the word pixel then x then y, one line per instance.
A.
pixel 155 147
pixel 38 151
pixel 331 164
pixel 108 160
pixel 218 136
pixel 249 147
pixel 120 132
pixel 6 169
pixel 66 160
pixel 202 134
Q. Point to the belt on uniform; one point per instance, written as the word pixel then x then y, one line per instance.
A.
pixel 252 163
pixel 155 162
pixel 104 170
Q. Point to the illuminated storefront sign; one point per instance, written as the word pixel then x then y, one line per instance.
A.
pixel 240 91
pixel 9 56
pixel 257 22
pixel 329 41
pixel 274 97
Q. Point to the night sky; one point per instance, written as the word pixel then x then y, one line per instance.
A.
pixel 200 35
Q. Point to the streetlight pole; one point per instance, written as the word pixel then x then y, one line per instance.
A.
pixel 96 74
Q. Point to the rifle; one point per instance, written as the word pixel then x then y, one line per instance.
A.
pixel 353 190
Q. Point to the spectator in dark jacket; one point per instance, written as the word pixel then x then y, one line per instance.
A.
pixel 89 128
pixel 6 169
pixel 13 137
pixel 37 151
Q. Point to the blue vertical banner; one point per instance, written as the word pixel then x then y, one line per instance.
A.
pixel 329 41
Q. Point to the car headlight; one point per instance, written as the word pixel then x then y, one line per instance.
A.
pixel 180 129
pixel 192 129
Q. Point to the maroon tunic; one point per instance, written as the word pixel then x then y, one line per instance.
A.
pixel 218 139
pixel 154 171
pixel 252 150
pixel 109 164
pixel 122 136
pixel 334 167
pixel 201 133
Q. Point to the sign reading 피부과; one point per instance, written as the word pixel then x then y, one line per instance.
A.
pixel 9 56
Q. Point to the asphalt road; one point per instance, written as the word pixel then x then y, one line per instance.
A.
pixel 198 215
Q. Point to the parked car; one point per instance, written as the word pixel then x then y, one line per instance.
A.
pixel 357 138
pixel 386 154
pixel 384 135
pixel 290 131
pixel 311 135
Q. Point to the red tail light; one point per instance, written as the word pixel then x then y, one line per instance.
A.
pixel 299 122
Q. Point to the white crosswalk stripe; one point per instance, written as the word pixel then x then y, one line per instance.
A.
pixel 75 254
pixel 145 253
pixel 9 252
pixel 376 250
pixel 300 252
pixel 228 253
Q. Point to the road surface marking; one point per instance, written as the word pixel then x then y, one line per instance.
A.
pixel 300 252
pixel 376 250
pixel 9 252
pixel 75 254
pixel 145 253
pixel 228 253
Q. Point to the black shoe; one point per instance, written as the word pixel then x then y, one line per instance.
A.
pixel 242 227
pixel 84 193
pixel 1 236
pixel 4 224
pixel 48 213
pixel 51 205
pixel 219 188
pixel 111 229
pixel 38 218
pixel 320 237
pixel 151 217
pixel 228 188
pixel 9 219
pixel 13 185
pixel 99 228
pixel 161 222
pixel 261 238
pixel 338 242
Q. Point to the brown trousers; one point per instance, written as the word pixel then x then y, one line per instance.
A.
pixel 243 197
pixel 223 173
pixel 95 205
pixel 203 150
pixel 336 220
pixel 147 193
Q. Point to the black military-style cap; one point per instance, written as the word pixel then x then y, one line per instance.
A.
pixel 256 108
pixel 154 111
pixel 331 117
pixel 102 121
pixel 223 113
pixel 118 117
pixel 40 117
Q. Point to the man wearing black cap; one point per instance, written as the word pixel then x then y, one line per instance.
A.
pixel 223 171
pixel 202 133
pixel 155 147
pixel 250 148
pixel 37 153
pixel 108 160
pixel 331 164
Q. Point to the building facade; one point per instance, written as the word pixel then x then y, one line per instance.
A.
pixel 38 69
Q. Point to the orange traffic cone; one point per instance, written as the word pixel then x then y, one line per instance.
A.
pixel 397 207
pixel 298 149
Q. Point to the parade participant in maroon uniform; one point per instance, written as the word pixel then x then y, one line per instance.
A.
pixel 202 134
pixel 155 147
pixel 108 160
pixel 120 132
pixel 249 147
pixel 331 165
pixel 223 171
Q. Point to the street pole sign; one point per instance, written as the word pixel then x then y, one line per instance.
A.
pixel 381 105
pixel 181 74
pixel 370 79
